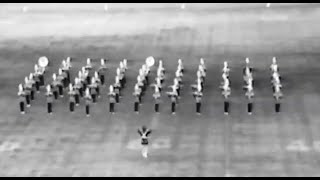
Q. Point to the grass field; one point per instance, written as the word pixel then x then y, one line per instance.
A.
pixel 264 144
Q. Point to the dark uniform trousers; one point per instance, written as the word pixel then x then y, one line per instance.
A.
pixel 55 93
pixel 277 107
pixel 102 79
pixel 38 85
pixel 87 109
pixel 60 90
pixel 111 107
pixel 136 106
pixel 250 107
pixel 21 106
pixel 198 107
pixel 226 106
pixel 71 106
pixel 49 107
pixel 41 78
pixel 32 95
pixel 28 99
pixel 77 98
pixel 173 107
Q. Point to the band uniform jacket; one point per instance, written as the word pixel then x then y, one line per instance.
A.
pixel 28 88
pixel 49 97
pixel 88 100
pixel 156 97
pixel 112 98
pixel 21 95
pixel 72 96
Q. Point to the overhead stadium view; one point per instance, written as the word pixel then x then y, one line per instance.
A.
pixel 158 90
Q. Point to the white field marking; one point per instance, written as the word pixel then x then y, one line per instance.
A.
pixel 134 144
pixel 9 146
pixel 161 143
pixel 316 146
pixel 7 22
pixel 298 145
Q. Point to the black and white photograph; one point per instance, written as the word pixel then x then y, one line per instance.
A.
pixel 159 89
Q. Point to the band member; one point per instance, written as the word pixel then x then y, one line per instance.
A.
pixel 61 78
pixel 78 90
pixel 176 86
pixel 179 75
pixel 88 68
pixel 198 95
pixel 69 65
pixel 156 95
pixel 145 71
pixel 161 72
pixel 72 99
pixel 203 65
pixel 200 78
pixel 65 71
pixel 27 88
pixel 140 84
pixel 137 93
pixel 144 132
pixel 137 100
pixel 93 90
pixel 143 81
pixel 57 87
pixel 82 79
pixel 21 94
pixel 202 73
pixel 226 92
pixel 274 65
pixel 32 83
pixel 173 97
pixel 49 95
pixel 225 69
pixel 36 78
pixel 117 88
pixel 88 100
pixel 102 70
pixel 180 66
pixel 122 76
pixel 249 94
pixel 112 96
pixel 89 65
pixel 158 83
pixel 278 96
pixel 98 82
pixel 41 71
pixel 125 64
pixel 85 74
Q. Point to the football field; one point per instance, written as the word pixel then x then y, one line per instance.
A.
pixel 185 144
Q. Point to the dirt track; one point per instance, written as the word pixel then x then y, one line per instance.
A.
pixel 207 145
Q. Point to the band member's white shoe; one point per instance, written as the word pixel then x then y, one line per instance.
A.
pixel 250 113
pixel 23 112
pixel 28 105
pixel 226 113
